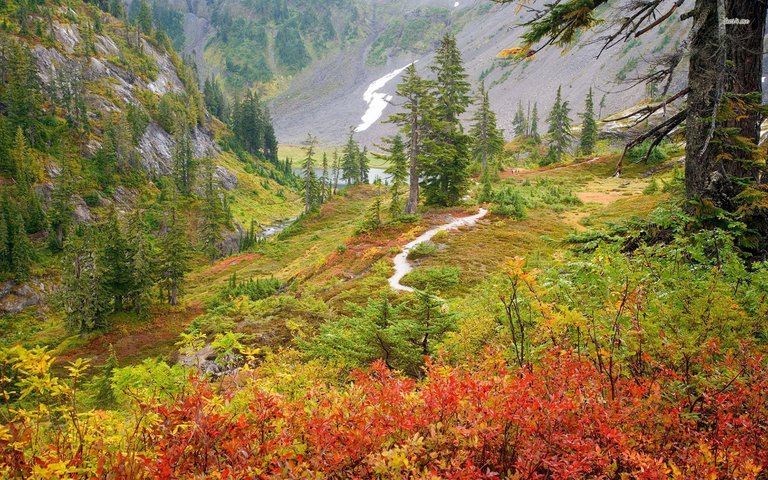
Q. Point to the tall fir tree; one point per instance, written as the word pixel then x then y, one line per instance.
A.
pixel 559 131
pixel 336 170
pixel 143 260
pixel 16 249
pixel 82 296
pixel 27 171
pixel 115 258
pixel 414 124
pixel 397 169
pixel 173 256
pixel 350 160
pixel 308 172
pixel 520 122
pixel 487 140
pixel 534 125
pixel 184 161
pixel 325 180
pixel 364 165
pixel 589 130
pixel 446 156
pixel 144 17
pixel 213 212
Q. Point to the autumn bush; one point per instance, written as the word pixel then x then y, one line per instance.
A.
pixel 553 420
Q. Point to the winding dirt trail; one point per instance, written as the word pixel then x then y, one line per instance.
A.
pixel 403 266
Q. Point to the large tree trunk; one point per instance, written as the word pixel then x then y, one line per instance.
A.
pixel 726 57
pixel 413 153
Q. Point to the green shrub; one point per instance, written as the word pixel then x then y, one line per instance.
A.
pixel 422 250
pixel 510 202
pixel 434 278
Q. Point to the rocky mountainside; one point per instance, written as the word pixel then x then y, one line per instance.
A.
pixel 325 96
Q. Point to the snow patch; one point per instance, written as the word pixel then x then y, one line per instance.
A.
pixel 377 101
pixel 455 4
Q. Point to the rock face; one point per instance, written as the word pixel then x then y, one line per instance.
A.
pixel 16 297
pixel 230 242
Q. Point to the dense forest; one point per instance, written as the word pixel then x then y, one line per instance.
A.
pixel 575 296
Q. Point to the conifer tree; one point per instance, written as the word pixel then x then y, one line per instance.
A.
pixel 16 250
pixel 144 17
pixel 184 162
pixel 559 129
pixel 397 170
pixel 142 257
pixel 414 123
pixel 588 127
pixel 350 160
pixel 534 135
pixel 61 211
pixel 487 140
pixel 308 172
pixel 363 164
pixel 520 122
pixel 115 258
pixel 81 295
pixel 27 172
pixel 174 256
pixel 336 169
pixel 325 181
pixel 105 394
pixel 212 210
pixel 446 153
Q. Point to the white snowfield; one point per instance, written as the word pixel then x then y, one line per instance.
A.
pixel 377 101
pixel 403 267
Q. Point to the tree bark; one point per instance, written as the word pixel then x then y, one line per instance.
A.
pixel 726 57
pixel 413 154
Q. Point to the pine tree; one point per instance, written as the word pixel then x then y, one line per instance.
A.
pixel 144 17
pixel 520 122
pixel 27 172
pixel 363 164
pixel 560 136
pixel 212 210
pixel 397 170
pixel 336 169
pixel 588 127
pixel 308 171
pixel 184 162
pixel 414 123
pixel 18 249
pixel 535 137
pixel 61 211
pixel 446 148
pixel 325 181
pixel 487 140
pixel 142 257
pixel 350 160
pixel 104 396
pixel 81 296
pixel 174 256
pixel 117 276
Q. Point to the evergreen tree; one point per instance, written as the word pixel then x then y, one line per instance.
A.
pixel 17 251
pixel 414 124
pixel 20 92
pixel 588 127
pixel 81 295
pixel 446 149
pixel 174 256
pixel 487 140
pixel 520 122
pixel 336 169
pixel 363 164
pixel 144 17
pixel 308 171
pixel 104 397
pixel 397 170
pixel 142 257
pixel 325 183
pixel 350 160
pixel 27 172
pixel 117 276
pixel 184 162
pixel 214 98
pixel 212 209
pixel 535 137
pixel 560 136
pixel 61 212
